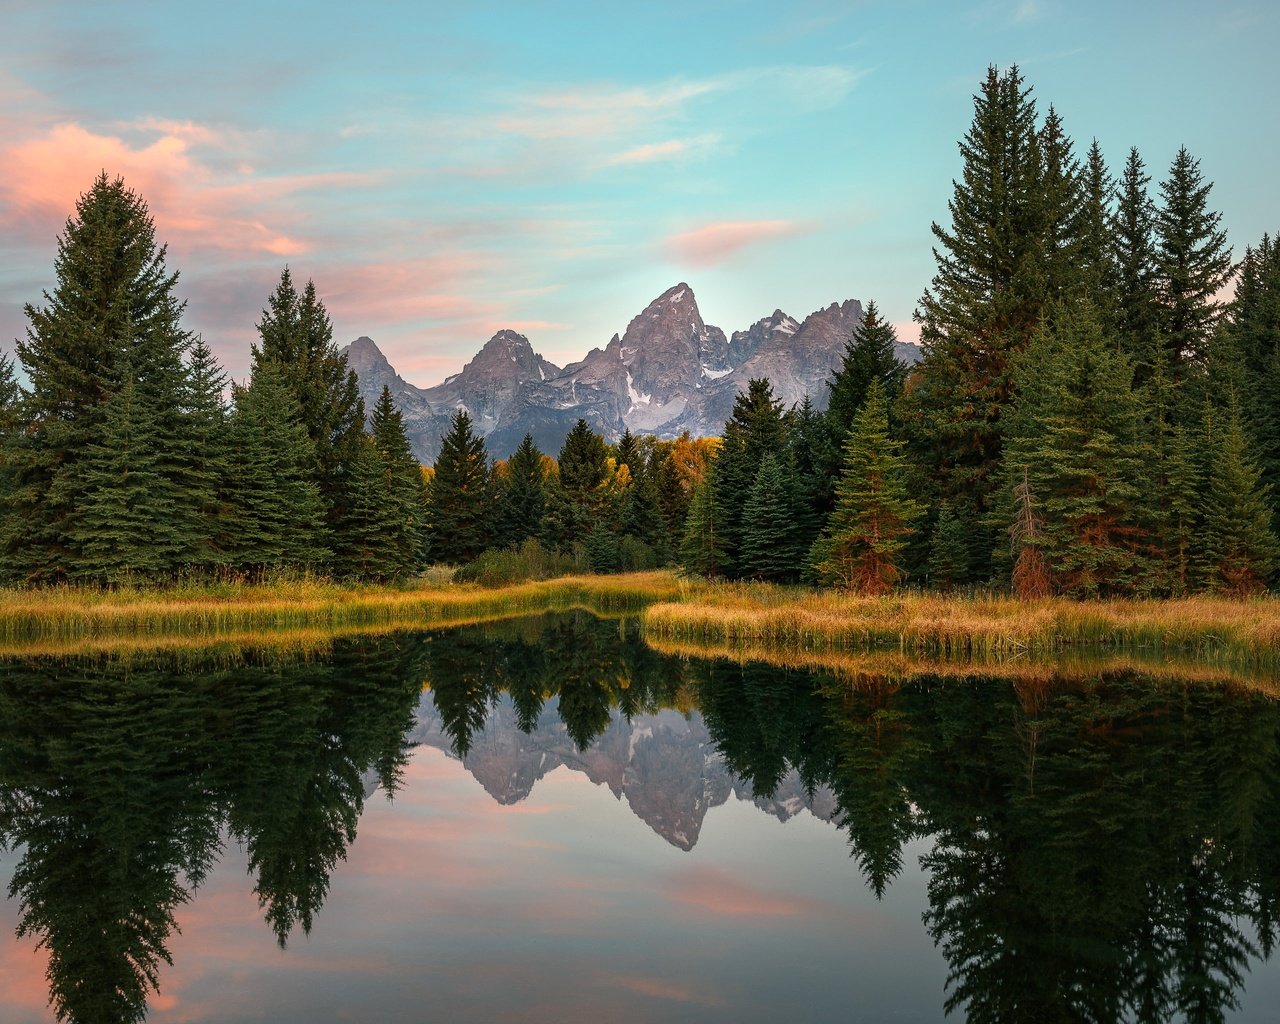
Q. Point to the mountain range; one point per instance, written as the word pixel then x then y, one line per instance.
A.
pixel 668 372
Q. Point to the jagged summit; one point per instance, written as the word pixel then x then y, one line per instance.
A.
pixel 669 371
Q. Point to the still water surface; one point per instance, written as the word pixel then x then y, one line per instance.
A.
pixel 545 820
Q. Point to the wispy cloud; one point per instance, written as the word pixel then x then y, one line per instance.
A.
pixel 671 149
pixel 715 243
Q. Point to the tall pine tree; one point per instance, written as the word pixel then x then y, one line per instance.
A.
pixel 861 548
pixel 295 334
pixel 113 314
pixel 458 506
pixel 1192 262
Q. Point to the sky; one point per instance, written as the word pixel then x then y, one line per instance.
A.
pixel 443 171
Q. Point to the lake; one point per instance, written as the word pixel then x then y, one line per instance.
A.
pixel 545 819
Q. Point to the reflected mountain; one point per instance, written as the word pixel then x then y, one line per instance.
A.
pixel 1103 849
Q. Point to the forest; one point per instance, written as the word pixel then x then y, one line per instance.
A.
pixel 1097 413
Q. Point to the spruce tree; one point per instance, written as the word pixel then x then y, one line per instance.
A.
pixel 702 546
pixel 986 300
pixel 754 429
pixel 114 304
pixel 582 461
pixel 1059 212
pixel 1192 262
pixel 1253 322
pixel 11 401
pixel 948 553
pixel 458 495
pixel 1099 276
pixel 295 334
pixel 1134 256
pixel 276 516
pixel 1076 450
pixel 122 528
pixel 772 542
pixel 210 467
pixel 372 523
pixel 868 356
pixel 861 547
pixel 1240 549
pixel 403 490
pixel 522 498
pixel 812 464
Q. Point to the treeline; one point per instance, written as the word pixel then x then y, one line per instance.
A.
pixel 1089 417
pixel 127 457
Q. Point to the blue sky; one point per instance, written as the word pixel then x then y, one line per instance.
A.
pixel 442 170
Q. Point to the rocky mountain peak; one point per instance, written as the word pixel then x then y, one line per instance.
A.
pixel 364 356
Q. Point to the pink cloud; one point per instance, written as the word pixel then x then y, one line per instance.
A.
pixel 715 243
pixel 197 203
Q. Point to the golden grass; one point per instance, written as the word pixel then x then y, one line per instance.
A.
pixel 981 634
pixel 84 620
pixel 1242 632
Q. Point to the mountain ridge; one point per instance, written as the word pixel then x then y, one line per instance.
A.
pixel 667 372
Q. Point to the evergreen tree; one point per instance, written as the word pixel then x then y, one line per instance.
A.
pixel 373 521
pixel 210 465
pixel 1094 256
pixel 702 547
pixel 1192 261
pixel 868 356
pixel 1076 450
pixel 277 515
pixel 522 500
pixel 403 490
pixel 811 463
pixel 113 304
pixel 458 520
pixel 602 549
pixel 295 333
pixel 1253 322
pixel 754 429
pixel 122 527
pixel 11 402
pixel 862 545
pixel 948 554
pixel 1169 481
pixel 629 453
pixel 582 461
pixel 1059 212
pixel 1240 549
pixel 986 300
pixel 771 535
pixel 1133 252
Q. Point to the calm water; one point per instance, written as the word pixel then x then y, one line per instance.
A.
pixel 547 821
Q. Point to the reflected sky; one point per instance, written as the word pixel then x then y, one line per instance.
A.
pixel 563 907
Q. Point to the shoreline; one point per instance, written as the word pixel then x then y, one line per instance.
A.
pixel 737 619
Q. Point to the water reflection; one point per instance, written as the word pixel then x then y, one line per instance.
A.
pixel 1100 850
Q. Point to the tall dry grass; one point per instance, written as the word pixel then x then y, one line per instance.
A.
pixel 983 625
pixel 83 619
